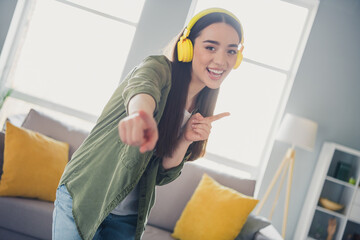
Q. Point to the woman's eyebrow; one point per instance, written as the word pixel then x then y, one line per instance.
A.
pixel 233 45
pixel 217 43
pixel 211 41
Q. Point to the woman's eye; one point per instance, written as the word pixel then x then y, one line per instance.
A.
pixel 232 52
pixel 210 48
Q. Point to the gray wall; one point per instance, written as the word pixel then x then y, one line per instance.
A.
pixel 326 90
pixel 7 8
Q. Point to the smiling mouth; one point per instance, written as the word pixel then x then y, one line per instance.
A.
pixel 215 73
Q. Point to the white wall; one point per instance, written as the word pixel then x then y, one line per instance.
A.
pixel 326 90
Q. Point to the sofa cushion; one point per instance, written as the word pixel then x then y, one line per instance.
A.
pixel 173 197
pixel 154 233
pixel 50 127
pixel 252 225
pixel 213 212
pixel 11 235
pixel 16 120
pixel 33 164
pixel 27 216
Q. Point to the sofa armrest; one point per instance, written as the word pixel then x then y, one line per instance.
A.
pixel 268 233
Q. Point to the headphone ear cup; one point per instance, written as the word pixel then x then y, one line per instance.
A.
pixel 185 50
pixel 239 59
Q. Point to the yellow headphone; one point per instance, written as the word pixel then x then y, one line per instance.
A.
pixel 185 46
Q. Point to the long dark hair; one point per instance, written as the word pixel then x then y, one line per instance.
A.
pixel 170 123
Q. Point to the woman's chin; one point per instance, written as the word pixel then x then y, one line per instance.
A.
pixel 213 86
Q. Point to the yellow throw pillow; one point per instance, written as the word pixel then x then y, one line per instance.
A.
pixel 214 212
pixel 33 164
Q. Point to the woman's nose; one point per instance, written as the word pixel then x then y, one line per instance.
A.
pixel 220 59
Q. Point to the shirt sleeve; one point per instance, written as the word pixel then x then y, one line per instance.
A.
pixel 150 78
pixel 166 176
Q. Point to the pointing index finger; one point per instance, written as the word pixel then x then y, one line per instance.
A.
pixel 218 116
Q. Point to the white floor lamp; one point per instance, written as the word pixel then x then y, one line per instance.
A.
pixel 299 132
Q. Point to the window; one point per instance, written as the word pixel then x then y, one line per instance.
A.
pixel 73 52
pixel 255 94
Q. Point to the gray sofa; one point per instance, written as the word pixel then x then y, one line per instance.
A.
pixel 25 219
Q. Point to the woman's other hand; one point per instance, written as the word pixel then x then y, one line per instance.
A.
pixel 198 128
pixel 139 129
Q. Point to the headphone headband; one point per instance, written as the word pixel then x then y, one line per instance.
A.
pixel 206 12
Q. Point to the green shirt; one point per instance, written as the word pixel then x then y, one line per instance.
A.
pixel 104 170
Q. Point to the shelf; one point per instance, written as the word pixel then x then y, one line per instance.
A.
pixel 336 214
pixel 336 165
pixel 335 180
pixel 354 220
pixel 352 229
pixel 344 165
pixel 319 224
pixel 355 213
pixel 338 193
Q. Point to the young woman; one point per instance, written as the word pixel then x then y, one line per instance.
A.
pixel 159 117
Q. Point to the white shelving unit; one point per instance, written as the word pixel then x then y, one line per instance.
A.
pixel 335 166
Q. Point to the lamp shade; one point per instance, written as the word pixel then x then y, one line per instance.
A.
pixel 298 131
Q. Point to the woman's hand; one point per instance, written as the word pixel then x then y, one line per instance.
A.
pixel 198 128
pixel 139 129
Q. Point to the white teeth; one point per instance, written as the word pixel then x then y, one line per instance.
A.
pixel 215 71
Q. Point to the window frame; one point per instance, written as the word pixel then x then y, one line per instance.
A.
pixel 12 49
